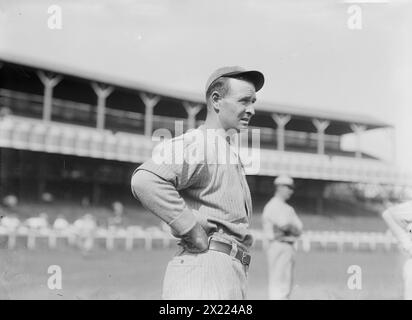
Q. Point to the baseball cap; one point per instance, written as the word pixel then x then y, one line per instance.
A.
pixel 284 180
pixel 254 76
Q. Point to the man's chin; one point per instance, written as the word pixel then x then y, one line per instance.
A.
pixel 240 127
pixel 243 126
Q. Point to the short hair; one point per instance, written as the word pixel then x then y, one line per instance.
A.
pixel 221 85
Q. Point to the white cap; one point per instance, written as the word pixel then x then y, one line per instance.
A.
pixel 283 180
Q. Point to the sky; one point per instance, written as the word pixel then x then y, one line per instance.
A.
pixel 309 55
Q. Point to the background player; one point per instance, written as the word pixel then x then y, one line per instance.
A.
pixel 282 227
pixel 399 220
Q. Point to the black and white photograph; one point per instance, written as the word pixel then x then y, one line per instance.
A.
pixel 206 150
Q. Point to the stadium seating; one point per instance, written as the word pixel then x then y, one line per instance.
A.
pixel 310 240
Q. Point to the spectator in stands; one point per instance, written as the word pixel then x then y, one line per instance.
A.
pixel 399 220
pixel 4 112
pixel 10 201
pixel 47 197
pixel 85 202
pixel 61 223
pixel 39 222
pixel 10 222
pixel 116 220
pixel 85 228
pixel 281 227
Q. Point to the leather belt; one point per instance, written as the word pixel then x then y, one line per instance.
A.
pixel 240 255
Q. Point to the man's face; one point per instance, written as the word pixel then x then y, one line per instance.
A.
pixel 236 108
pixel 285 191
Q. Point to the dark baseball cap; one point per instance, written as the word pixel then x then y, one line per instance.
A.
pixel 256 77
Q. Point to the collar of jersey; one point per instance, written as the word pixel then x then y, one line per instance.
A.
pixel 221 134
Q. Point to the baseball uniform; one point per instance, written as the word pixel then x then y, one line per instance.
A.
pixel 399 220
pixel 206 187
pixel 277 218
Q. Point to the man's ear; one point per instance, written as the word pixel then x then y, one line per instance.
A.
pixel 215 98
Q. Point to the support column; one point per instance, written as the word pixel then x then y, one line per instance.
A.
pixel 192 110
pixel 5 169
pixel 102 91
pixel 320 197
pixel 281 122
pixel 321 126
pixel 49 80
pixel 150 101
pixel 358 130
pixel 96 192
pixel 41 174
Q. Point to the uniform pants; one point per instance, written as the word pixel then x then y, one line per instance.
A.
pixel 281 260
pixel 210 275
pixel 407 279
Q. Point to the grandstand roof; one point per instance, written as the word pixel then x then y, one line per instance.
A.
pixel 196 97
pixel 367 120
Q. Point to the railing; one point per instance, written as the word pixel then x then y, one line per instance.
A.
pixel 31 105
pixel 135 237
pixel 297 139
pixel 33 134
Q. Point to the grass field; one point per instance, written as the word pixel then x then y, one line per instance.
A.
pixel 138 274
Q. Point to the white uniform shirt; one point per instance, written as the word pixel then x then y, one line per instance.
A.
pixel 399 220
pixel 278 216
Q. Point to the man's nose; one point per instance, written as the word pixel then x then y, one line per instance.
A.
pixel 250 110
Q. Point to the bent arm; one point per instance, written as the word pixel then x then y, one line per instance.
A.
pixel 162 199
pixel 290 225
pixel 397 218
pixel 291 229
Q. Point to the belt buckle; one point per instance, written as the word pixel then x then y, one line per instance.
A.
pixel 245 258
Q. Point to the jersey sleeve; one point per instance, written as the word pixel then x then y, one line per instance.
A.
pixel 157 182
pixel 403 214
pixel 398 218
pixel 176 162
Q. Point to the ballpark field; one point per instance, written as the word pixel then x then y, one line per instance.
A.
pixel 138 274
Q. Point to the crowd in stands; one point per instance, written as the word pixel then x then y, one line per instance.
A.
pixel 10 221
pixel 86 232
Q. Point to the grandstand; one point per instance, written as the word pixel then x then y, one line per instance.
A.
pixel 80 135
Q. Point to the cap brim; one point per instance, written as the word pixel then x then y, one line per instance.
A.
pixel 256 77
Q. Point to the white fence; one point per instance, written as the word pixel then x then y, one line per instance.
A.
pixel 134 237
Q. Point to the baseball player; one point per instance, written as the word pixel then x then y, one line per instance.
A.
pixel 282 227
pixel 85 228
pixel 399 220
pixel 206 201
